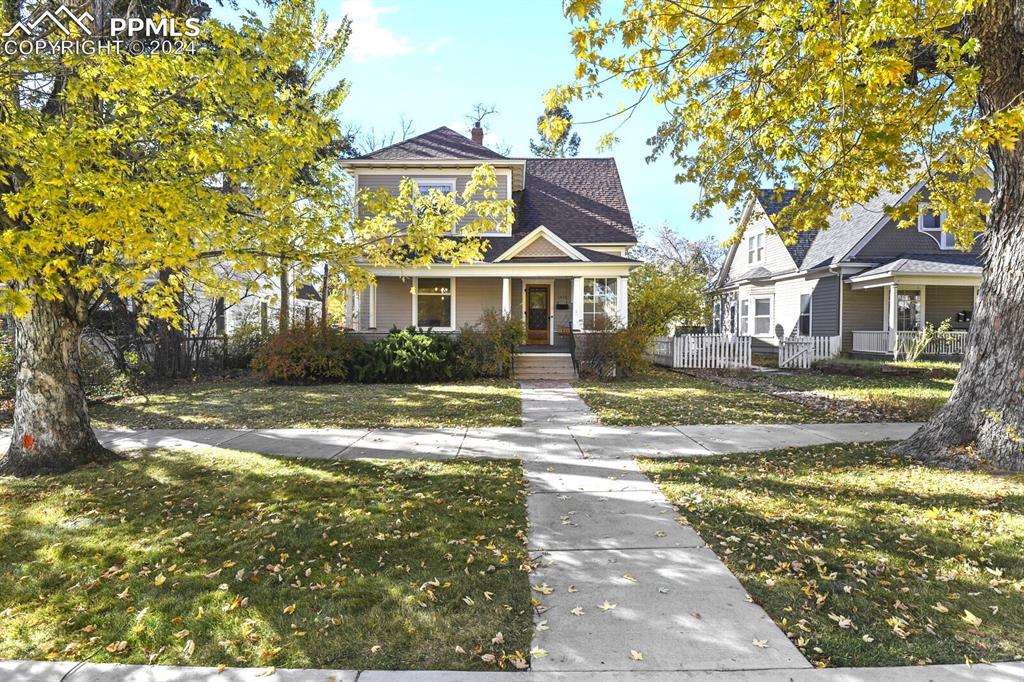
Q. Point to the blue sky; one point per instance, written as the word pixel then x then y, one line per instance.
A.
pixel 432 60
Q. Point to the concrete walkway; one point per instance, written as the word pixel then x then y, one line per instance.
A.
pixel 617 573
pixel 38 671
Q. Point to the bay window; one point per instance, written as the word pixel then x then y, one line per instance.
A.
pixel 804 326
pixel 600 302
pixel 434 298
pixel 744 317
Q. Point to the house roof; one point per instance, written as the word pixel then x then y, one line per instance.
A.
pixel 441 143
pixel 580 200
pixel 773 201
pixel 939 264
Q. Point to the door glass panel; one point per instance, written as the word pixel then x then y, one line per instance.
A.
pixel 537 318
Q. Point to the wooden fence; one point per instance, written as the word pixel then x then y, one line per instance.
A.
pixel 798 352
pixel 702 351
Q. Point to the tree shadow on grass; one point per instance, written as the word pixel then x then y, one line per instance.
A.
pixel 263 561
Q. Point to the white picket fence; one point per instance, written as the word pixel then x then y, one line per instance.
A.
pixel 798 352
pixel 702 351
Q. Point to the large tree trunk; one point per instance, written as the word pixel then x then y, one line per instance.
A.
pixel 51 423
pixel 986 407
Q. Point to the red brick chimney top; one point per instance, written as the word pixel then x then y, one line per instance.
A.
pixel 477 134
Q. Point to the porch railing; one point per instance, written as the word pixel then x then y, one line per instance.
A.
pixel 944 343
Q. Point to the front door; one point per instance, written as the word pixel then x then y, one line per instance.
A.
pixel 538 316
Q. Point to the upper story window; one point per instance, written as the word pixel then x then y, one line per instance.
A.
pixel 933 224
pixel 442 186
pixel 755 248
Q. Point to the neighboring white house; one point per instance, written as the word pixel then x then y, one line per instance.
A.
pixel 859 277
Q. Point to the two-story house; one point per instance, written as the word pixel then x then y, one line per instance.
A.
pixel 860 277
pixel 561 268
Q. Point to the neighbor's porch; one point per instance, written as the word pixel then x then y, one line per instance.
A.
pixel 908 305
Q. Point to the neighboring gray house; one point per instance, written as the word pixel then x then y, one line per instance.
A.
pixel 562 267
pixel 860 277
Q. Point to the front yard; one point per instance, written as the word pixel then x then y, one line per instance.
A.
pixel 665 397
pixel 865 559
pixel 236 559
pixel 246 403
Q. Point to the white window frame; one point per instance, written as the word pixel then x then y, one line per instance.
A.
pixel 754 316
pixel 435 183
pixel 801 313
pixel 614 317
pixel 416 304
pixel 755 248
pixel 744 315
pixel 945 240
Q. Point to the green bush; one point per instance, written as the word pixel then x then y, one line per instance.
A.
pixel 308 354
pixel 486 349
pixel 407 356
pixel 243 343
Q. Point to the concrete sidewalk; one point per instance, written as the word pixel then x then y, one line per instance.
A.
pixel 38 671
pixel 549 426
pixel 617 573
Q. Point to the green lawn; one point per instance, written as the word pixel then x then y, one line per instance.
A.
pixel 863 558
pixel 242 560
pixel 894 397
pixel 245 403
pixel 665 397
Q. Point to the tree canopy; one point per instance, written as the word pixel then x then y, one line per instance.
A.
pixel 565 143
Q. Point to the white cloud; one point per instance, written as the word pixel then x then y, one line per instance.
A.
pixel 371 40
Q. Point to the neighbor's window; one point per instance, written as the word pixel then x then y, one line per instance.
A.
pixel 755 248
pixel 908 311
pixel 934 224
pixel 442 186
pixel 600 302
pixel 744 317
pixel 434 302
pixel 804 326
pixel 762 316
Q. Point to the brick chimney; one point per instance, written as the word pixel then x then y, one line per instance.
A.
pixel 477 134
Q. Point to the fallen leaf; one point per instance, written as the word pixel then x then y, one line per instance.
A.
pixel 606 606
pixel 636 655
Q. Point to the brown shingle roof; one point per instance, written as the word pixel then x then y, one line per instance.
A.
pixel 580 200
pixel 440 143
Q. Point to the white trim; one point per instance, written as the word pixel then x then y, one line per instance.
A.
pixel 538 233
pixel 449 181
pixel 622 296
pixel 387 166
pixel 506 296
pixel 754 298
pixel 577 304
pixel 887 278
pixel 416 303
pixel 481 269
pixel 373 307
pixel 942 237
pixel 550 284
pixel 923 311
pixel 810 312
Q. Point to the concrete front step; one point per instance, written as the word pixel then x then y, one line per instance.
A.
pixel 544 367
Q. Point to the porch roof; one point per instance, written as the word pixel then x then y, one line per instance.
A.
pixel 957 268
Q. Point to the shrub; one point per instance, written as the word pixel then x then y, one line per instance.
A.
pixel 618 353
pixel 308 354
pixel 407 356
pixel 243 343
pixel 486 349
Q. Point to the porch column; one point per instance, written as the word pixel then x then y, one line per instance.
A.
pixel 892 322
pixel 623 300
pixel 506 296
pixel 577 303
pixel 357 297
pixel 373 306
pixel 921 312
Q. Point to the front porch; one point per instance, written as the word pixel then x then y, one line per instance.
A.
pixel 909 305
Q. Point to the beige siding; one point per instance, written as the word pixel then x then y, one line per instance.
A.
pixel 394 304
pixel 541 248
pixel 517 298
pixel 943 303
pixel 862 311
pixel 474 295
pixel 392 183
